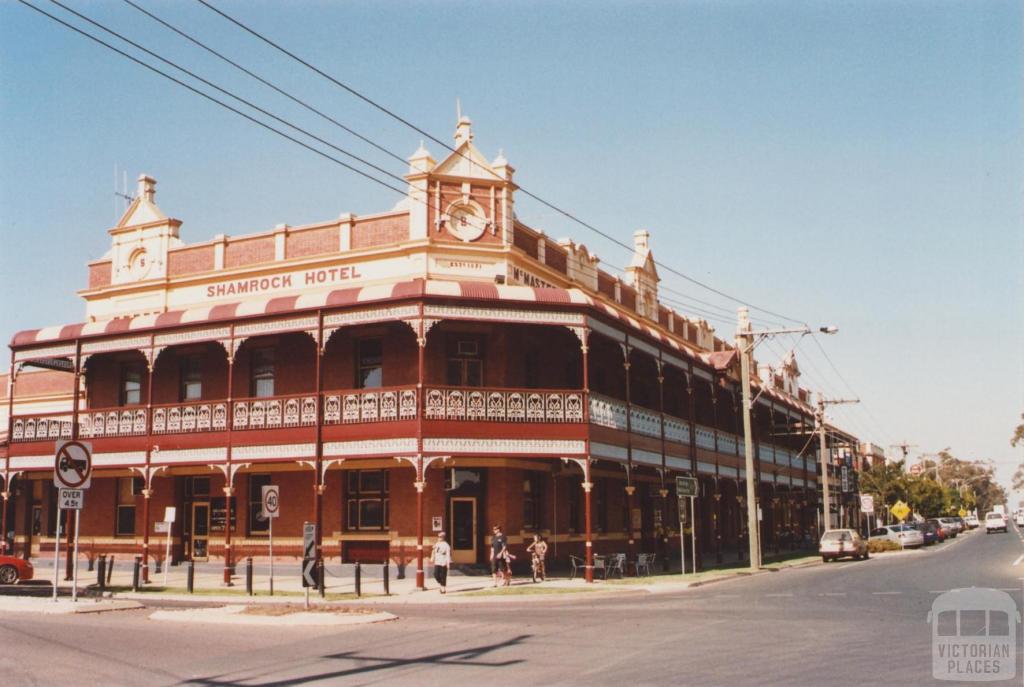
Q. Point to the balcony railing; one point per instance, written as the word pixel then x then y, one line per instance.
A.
pixel 370 405
pixel 40 427
pixel 503 405
pixel 207 416
pixel 274 413
pixel 112 422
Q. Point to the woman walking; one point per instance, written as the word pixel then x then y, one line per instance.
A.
pixel 441 557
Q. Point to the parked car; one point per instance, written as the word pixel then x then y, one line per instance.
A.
pixel 953 524
pixel 1019 520
pixel 927 530
pixel 940 529
pixel 839 543
pixel 14 570
pixel 996 522
pixel 904 535
pixel 972 521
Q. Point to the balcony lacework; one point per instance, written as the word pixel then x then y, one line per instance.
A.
pixel 503 406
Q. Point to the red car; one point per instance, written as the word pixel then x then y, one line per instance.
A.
pixel 14 569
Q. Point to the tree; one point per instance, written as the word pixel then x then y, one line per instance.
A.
pixel 1018 434
pixel 927 497
pixel 886 482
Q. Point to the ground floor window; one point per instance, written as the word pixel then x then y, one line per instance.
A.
pixel 367 500
pixel 532 501
pixel 125 521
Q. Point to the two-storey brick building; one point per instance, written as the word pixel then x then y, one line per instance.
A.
pixel 440 364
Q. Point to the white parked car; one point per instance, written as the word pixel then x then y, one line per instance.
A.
pixel 1019 521
pixel 972 521
pixel 904 535
pixel 995 522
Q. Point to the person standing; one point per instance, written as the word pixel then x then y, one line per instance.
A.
pixel 539 550
pixel 499 551
pixel 441 557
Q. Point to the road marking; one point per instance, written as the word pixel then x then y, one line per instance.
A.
pixel 833 594
pixel 1019 559
pixel 885 593
pixel 778 594
pixel 1009 589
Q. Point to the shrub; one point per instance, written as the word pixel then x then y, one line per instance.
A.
pixel 882 545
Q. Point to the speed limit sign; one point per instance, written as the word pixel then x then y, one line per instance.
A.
pixel 271 501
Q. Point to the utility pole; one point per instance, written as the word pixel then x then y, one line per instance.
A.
pixel 746 340
pixel 905 448
pixel 824 453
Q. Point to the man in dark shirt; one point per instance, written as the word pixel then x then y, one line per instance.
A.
pixel 499 546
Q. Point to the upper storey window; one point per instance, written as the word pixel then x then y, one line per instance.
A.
pixel 191 378
pixel 465 365
pixel 131 384
pixel 369 363
pixel 261 372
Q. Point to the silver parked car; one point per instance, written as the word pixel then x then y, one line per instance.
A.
pixel 904 535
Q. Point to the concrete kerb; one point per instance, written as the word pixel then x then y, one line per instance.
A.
pixel 64 606
pixel 236 615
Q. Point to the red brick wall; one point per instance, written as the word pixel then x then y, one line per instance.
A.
pixel 312 242
pixel 380 232
pixel 526 240
pixel 190 261
pixel 605 284
pixel 99 274
pixel 167 372
pixel 240 252
pixel 628 296
pixel 554 256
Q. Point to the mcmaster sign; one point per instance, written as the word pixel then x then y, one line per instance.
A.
pixel 257 285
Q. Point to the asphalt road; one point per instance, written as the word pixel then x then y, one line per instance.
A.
pixel 844 623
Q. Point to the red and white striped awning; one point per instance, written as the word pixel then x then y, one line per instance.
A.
pixel 338 298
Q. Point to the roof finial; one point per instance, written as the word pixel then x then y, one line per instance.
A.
pixel 458 110
pixel 463 125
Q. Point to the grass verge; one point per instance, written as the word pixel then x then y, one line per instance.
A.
pixel 233 591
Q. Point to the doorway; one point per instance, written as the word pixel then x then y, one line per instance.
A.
pixel 200 531
pixel 464 529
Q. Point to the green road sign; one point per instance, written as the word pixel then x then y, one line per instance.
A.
pixel 686 486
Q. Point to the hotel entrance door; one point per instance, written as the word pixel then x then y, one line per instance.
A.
pixel 464 529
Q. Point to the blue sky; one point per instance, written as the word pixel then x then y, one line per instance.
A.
pixel 855 163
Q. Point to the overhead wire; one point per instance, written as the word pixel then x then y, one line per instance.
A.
pixel 373 103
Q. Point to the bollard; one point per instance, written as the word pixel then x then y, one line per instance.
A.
pixel 101 573
pixel 359 579
pixel 190 578
pixel 387 578
pixel 248 575
pixel 110 570
pixel 320 578
pixel 92 563
pixel 135 573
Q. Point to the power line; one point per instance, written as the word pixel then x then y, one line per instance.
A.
pixel 228 93
pixel 211 98
pixel 267 83
pixel 525 191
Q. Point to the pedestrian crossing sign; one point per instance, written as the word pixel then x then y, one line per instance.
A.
pixel 900 510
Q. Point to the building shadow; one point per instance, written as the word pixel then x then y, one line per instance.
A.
pixel 473 656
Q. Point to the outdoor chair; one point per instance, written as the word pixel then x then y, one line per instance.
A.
pixel 577 565
pixel 600 565
pixel 644 561
pixel 615 563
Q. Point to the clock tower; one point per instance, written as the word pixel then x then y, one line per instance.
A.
pixel 142 238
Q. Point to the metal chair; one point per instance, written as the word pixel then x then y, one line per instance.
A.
pixel 644 561
pixel 577 564
pixel 601 564
pixel 615 563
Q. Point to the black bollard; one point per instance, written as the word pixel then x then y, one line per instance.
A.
pixel 248 576
pixel 387 579
pixel 359 579
pixel 101 573
pixel 92 563
pixel 136 573
pixel 190 578
pixel 110 570
pixel 320 578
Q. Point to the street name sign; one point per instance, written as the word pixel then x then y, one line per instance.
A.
pixel 169 513
pixel 271 501
pixel 686 486
pixel 72 465
pixel 71 499
pixel 161 527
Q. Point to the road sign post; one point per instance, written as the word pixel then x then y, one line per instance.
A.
pixel 72 472
pixel 308 557
pixel 169 516
pixel 271 509
pixel 686 489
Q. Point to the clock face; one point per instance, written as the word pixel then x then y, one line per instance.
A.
pixel 139 263
pixel 465 223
